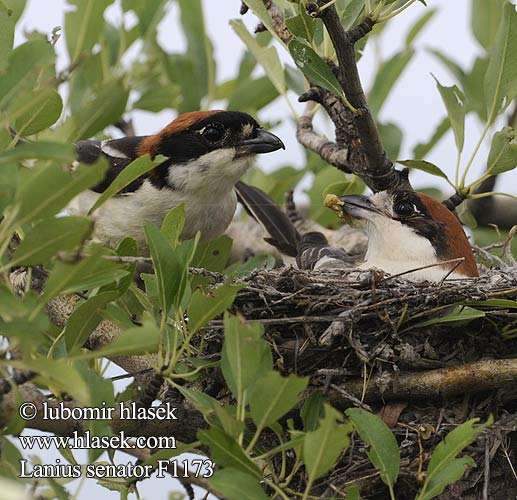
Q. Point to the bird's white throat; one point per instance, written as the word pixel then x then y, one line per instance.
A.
pixel 396 248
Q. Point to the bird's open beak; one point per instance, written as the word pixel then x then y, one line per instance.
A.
pixel 263 142
pixel 352 205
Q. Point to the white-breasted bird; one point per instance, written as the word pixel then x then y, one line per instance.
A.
pixel 206 154
pixel 406 230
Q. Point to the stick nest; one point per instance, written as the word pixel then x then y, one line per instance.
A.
pixel 427 356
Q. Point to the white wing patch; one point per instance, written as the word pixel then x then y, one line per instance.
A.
pixel 111 151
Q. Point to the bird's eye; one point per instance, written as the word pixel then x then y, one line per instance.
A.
pixel 212 133
pixel 404 208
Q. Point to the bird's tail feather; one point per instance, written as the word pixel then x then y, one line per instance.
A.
pixel 282 233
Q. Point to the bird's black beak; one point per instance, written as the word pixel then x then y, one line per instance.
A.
pixel 263 142
pixel 352 205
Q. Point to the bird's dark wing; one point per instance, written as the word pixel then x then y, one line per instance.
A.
pixel 119 153
pixel 308 249
pixel 282 233
pixel 313 247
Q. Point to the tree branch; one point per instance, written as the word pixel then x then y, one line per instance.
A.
pixel 486 375
pixel 378 171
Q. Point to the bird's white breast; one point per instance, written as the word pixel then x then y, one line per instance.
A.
pixel 204 185
pixel 126 215
pixel 396 248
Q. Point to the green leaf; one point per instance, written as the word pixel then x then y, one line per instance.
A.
pixel 504 303
pixel 199 46
pixel 173 224
pixel 474 87
pixel 388 74
pixel 159 98
pixel 392 137
pixel 22 68
pixel 451 65
pixel 486 17
pixel 503 152
pixel 84 25
pixel 182 71
pixel 450 473
pixel 445 453
pixel 88 273
pixel 454 101
pixel 50 236
pixel 6 36
pixel 253 94
pixel 205 306
pixel 46 190
pixel 312 411
pixel 226 452
pixel 272 396
pixel 322 447
pixel 267 57
pixel 351 13
pixel 245 355
pixel 258 8
pixel 353 493
pixel 301 25
pixel 315 69
pixel 424 166
pixel 63 375
pixel 133 171
pixel 237 485
pixel 85 319
pixel 170 270
pixel 97 112
pixel 136 341
pixel 35 111
pixel 40 150
pixel 501 77
pixel 16 7
pixel 422 150
pixel 459 314
pixel 384 451
pixel 212 255
pixel 419 25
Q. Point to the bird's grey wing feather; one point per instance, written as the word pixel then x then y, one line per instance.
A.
pixel 313 249
pixel 282 233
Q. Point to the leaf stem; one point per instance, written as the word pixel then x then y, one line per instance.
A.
pixel 475 152
pixel 327 5
pixel 392 12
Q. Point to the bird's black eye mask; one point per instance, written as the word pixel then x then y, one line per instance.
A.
pixel 407 204
pixel 218 131
pixel 409 209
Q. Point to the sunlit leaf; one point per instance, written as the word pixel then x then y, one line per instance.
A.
pixel 501 77
pixel 503 152
pixel 424 166
pixel 386 78
pixel 316 70
pixel 267 57
pixel 454 101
